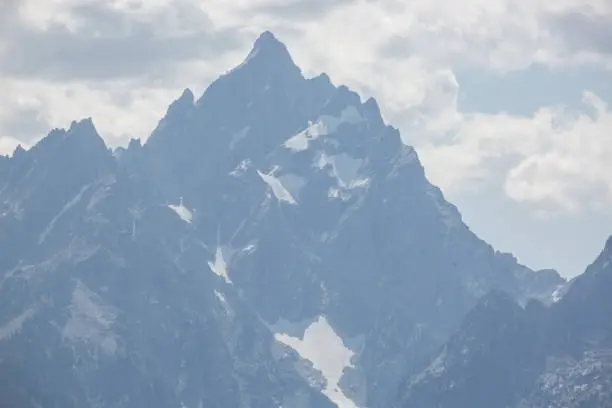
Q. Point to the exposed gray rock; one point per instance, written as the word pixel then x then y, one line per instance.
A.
pixel 273 243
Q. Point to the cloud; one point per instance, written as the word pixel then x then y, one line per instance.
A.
pixel 8 145
pixel 574 173
pixel 25 123
pixel 555 160
pixel 297 10
pixel 584 31
pixel 102 42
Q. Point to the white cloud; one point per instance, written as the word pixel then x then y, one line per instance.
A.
pixel 574 170
pixel 8 145
pixel 556 159
pixel 120 112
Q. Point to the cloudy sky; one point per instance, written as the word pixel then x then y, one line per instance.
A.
pixel 508 102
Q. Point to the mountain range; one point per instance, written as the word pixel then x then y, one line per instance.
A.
pixel 537 356
pixel 272 243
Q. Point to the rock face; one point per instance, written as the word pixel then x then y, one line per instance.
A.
pixel 272 244
pixel 536 357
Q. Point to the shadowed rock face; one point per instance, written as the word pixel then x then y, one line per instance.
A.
pixel 506 356
pixel 273 219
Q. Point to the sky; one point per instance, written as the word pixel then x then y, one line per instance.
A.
pixel 507 102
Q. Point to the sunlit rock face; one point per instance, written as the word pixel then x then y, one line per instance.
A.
pixel 272 244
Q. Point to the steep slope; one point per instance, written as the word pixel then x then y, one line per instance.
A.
pixel 4 169
pixel 537 357
pixel 272 243
pixel 113 304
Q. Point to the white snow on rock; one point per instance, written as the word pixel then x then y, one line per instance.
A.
pixel 325 125
pixel 90 320
pixel 66 207
pixel 326 351
pixel 241 168
pixel 14 326
pixel 250 248
pixel 279 191
pixel 344 168
pixel 224 303
pixel 435 369
pixel 219 266
pixel 183 212
pixel 560 291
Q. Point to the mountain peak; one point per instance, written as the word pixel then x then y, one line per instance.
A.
pixel 83 124
pixel 269 53
pixel 269 44
pixel 183 103
pixel 85 137
pixel 18 150
pixel 84 128
pixel 608 246
pixel 267 39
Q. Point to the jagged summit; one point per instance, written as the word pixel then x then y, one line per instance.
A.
pixel 18 150
pixel 85 131
pixel 608 246
pixel 185 101
pixel 270 54
pixel 267 45
pixel 267 40
pixel 268 66
pixel 187 96
pixel 83 126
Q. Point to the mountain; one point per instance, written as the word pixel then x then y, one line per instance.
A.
pixel 272 243
pixel 536 357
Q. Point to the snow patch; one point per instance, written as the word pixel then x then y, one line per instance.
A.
pixel 559 292
pixel 14 326
pixel 435 369
pixel 345 169
pixel 183 212
pixel 241 168
pixel 250 248
pixel 326 351
pixel 66 207
pixel 279 191
pixel 90 320
pixel 224 303
pixel 220 297
pixel 325 125
pixel 219 266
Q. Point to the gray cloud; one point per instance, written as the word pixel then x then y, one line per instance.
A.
pixel 583 31
pixel 8 15
pixel 111 45
pixel 302 10
pixel 25 124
